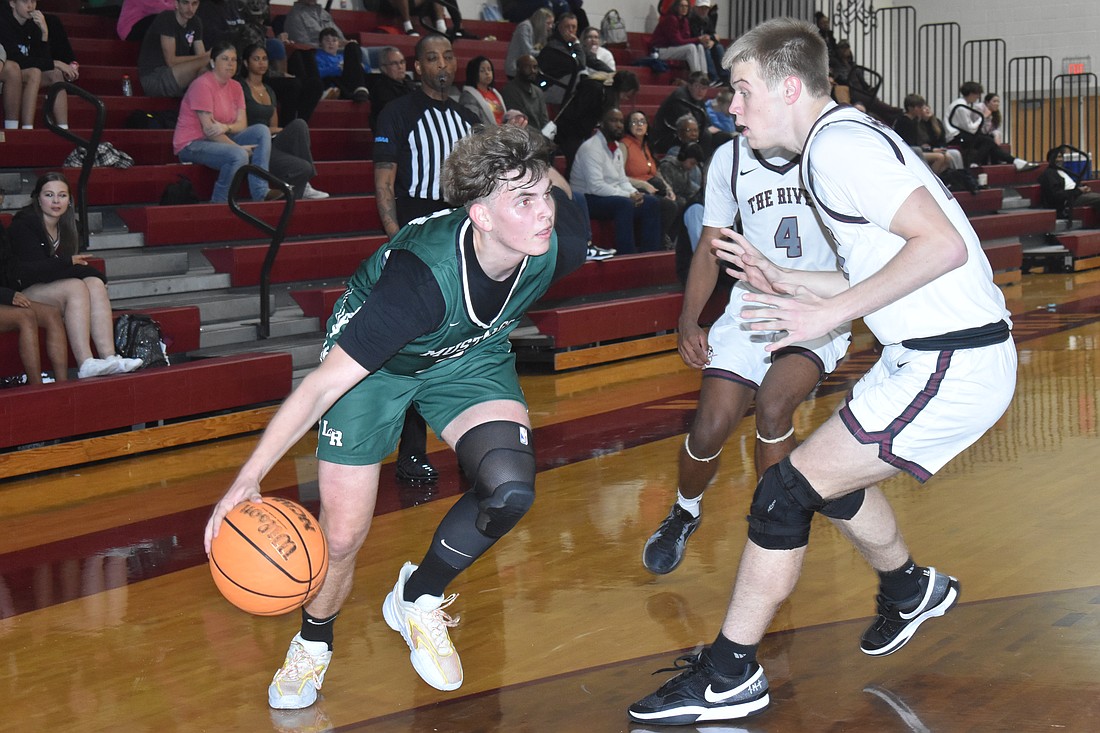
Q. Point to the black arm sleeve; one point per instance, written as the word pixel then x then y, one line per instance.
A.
pixel 405 303
pixel 572 231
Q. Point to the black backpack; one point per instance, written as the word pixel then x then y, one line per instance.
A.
pixel 137 336
pixel 179 193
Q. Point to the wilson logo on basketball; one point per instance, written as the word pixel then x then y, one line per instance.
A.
pixel 277 535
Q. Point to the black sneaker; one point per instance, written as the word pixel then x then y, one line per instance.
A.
pixel 665 549
pixel 895 625
pixel 416 470
pixel 699 693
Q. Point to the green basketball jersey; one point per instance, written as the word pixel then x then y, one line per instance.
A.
pixel 437 240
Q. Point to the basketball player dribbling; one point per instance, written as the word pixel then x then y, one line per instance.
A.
pixel 426 319
pixel 915 272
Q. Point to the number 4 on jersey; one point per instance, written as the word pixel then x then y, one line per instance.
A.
pixel 786 237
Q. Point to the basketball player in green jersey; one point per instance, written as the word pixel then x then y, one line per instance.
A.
pixel 426 320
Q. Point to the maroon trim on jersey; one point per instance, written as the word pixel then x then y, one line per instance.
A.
pixel 885 438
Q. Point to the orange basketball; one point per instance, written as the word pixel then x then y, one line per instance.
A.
pixel 269 558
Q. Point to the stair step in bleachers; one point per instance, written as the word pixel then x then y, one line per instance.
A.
pixel 104 50
pixel 40 148
pixel 177 224
pixel 985 201
pixel 179 325
pixel 1007 175
pixel 144 184
pixel 310 260
pixel 646 270
pixel 1013 224
pixel 1006 257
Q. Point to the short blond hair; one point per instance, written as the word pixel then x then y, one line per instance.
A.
pixel 784 47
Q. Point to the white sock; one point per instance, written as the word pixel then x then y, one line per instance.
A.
pixel 28 127
pixel 63 127
pixel 11 124
pixel 408 25
pixel 441 26
pixel 691 506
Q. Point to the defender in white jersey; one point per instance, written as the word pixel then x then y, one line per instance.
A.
pixel 915 272
pixel 776 211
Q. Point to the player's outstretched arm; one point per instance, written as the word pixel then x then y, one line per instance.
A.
pixel 701 279
pixel 300 412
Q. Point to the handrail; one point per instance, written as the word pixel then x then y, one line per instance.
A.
pixel 277 233
pixel 90 146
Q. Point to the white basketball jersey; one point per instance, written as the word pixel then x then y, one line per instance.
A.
pixel 860 173
pixel 777 214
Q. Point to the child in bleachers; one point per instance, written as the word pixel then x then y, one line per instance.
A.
pixel 25 36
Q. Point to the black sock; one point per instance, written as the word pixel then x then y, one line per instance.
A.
pixel 318 629
pixel 431 578
pixel 901 584
pixel 730 658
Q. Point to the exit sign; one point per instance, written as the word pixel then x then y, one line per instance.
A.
pixel 1080 65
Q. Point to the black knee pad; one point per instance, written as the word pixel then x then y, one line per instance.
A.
pixel 498 459
pixel 783 508
pixel 845 507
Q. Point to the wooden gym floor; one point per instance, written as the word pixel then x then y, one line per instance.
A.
pixel 109 620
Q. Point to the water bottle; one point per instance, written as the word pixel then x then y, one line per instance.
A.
pixel 127 87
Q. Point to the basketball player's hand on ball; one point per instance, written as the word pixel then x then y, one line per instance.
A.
pixel 243 489
pixel 749 265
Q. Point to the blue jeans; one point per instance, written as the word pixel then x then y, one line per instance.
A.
pixel 624 213
pixel 228 159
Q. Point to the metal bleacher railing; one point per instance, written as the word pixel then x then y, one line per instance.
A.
pixel 89 146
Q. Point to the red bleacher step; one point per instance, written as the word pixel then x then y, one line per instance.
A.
pixel 619 273
pixel 1014 223
pixel 312 260
pixel 1081 243
pixel 86 406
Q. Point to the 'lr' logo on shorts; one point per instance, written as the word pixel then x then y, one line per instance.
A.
pixel 335 437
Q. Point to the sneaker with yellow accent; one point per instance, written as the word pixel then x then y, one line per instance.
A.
pixel 296 684
pixel 424 625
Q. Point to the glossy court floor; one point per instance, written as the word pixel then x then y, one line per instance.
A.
pixel 109 620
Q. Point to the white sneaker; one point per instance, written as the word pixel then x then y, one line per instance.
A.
pixel 424 625
pixel 296 684
pixel 96 368
pixel 126 365
pixel 1022 165
pixel 309 192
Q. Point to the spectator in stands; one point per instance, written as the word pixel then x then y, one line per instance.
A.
pixel 684 170
pixel 561 58
pixel 644 173
pixel 304 23
pixel 393 83
pixel 932 129
pixel 846 72
pixel 686 99
pixel 479 95
pixel 1059 189
pixel 687 132
pixel 963 128
pixel 821 20
pixel 672 39
pixel 599 173
pixel 291 152
pixel 434 9
pixel 19 313
pixel 25 33
pixel 991 110
pixel 523 93
pixel 49 269
pixel 137 15
pixel 576 120
pixel 597 58
pixel 528 38
pixel 404 191
pixel 342 70
pixel 718 112
pixel 173 52
pixel 213 128
pixel 704 21
pixel 908 126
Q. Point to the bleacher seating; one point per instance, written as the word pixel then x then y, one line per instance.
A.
pixel 609 310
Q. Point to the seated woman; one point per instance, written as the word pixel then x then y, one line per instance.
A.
pixel 672 39
pixel 49 270
pixel 479 96
pixel 644 172
pixel 291 155
pixel 213 128
pixel 528 38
